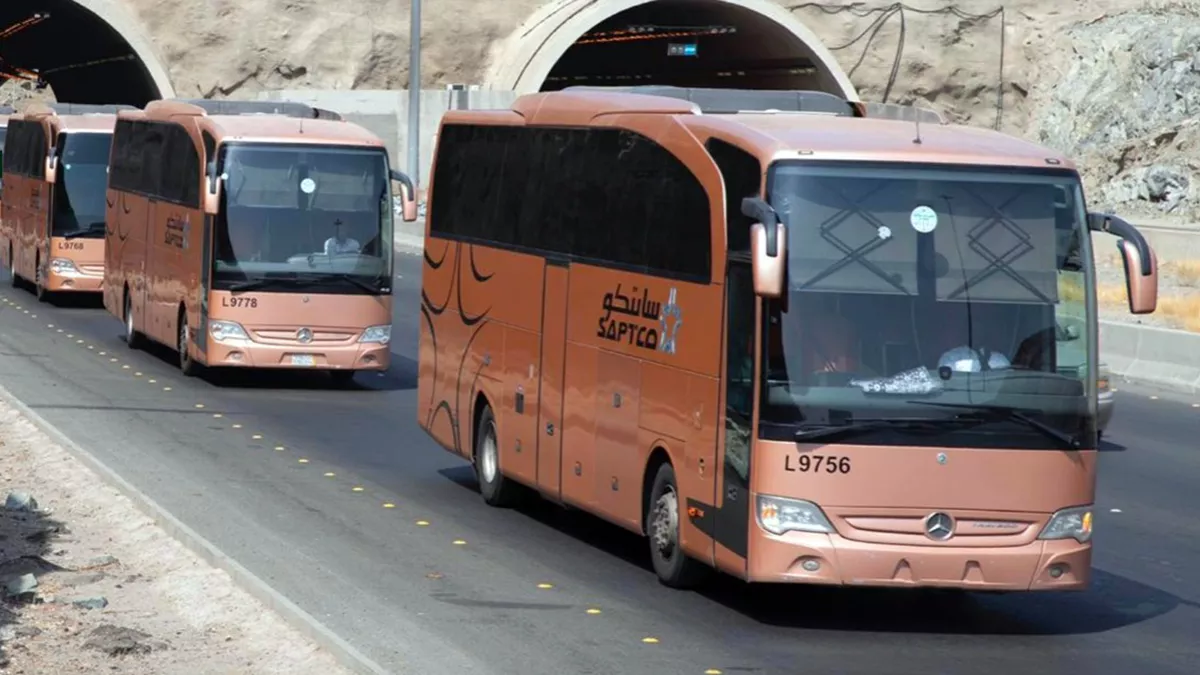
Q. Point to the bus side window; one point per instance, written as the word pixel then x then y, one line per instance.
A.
pixel 742 175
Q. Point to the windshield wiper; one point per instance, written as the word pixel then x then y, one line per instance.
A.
pixel 1004 413
pixel 326 278
pixel 94 228
pixel 808 432
pixel 251 284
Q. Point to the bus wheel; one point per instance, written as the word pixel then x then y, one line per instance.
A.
pixel 186 364
pixel 39 283
pixel 495 488
pixel 132 339
pixel 673 566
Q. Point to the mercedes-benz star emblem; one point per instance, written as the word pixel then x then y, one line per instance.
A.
pixel 304 335
pixel 941 458
pixel 939 526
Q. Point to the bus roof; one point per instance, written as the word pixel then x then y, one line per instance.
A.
pixel 776 137
pixel 261 121
pixel 73 116
pixel 810 130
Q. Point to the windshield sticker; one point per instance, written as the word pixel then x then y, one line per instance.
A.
pixel 640 328
pixel 308 186
pixel 885 232
pixel 923 219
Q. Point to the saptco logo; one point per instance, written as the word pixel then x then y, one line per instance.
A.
pixel 643 323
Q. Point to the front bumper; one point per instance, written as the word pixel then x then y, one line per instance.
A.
pixel 74 283
pixel 247 354
pixel 800 557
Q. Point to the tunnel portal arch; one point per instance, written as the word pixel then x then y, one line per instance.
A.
pixel 78 49
pixel 526 59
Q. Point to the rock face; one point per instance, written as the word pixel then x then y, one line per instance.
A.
pixel 1128 107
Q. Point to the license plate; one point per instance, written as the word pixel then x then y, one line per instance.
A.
pixel 303 360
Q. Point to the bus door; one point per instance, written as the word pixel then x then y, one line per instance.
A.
pixel 733 484
pixel 552 373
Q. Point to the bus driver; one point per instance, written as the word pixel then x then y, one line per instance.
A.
pixel 339 242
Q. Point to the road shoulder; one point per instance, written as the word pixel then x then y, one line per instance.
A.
pixel 113 589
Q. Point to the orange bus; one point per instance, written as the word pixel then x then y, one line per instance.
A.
pixel 252 234
pixel 775 336
pixel 55 174
pixel 5 112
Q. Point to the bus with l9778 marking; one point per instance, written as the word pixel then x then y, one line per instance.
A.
pixel 249 234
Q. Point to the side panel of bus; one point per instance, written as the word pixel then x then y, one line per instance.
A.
pixel 573 356
pixel 26 196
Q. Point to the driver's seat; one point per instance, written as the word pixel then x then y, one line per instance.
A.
pixel 829 344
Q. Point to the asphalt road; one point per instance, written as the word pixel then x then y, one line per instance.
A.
pixel 335 498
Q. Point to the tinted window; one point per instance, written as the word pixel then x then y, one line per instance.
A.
pixel 742 175
pixel 606 195
pixel 25 148
pixel 81 183
pixel 156 159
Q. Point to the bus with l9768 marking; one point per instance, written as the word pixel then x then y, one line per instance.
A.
pixel 775 335
pixel 253 235
pixel 55 177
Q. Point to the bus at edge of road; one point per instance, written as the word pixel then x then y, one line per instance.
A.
pixel 774 333
pixel 55 177
pixel 253 234
pixel 6 111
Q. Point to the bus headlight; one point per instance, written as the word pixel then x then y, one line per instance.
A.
pixel 64 267
pixel 1073 523
pixel 223 331
pixel 378 334
pixel 779 514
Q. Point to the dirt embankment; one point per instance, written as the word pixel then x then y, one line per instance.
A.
pixel 90 585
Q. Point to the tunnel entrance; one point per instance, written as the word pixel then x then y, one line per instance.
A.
pixel 84 51
pixel 744 44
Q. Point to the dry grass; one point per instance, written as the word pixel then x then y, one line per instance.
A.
pixel 1183 311
pixel 1185 272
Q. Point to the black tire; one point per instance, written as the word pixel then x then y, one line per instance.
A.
pixel 12 269
pixel 673 567
pixel 186 365
pixel 133 339
pixel 39 285
pixel 497 490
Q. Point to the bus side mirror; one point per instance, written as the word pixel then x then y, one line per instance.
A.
pixel 212 194
pixel 408 196
pixel 51 167
pixel 1140 261
pixel 768 247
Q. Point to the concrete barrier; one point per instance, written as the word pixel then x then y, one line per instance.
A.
pixel 1157 355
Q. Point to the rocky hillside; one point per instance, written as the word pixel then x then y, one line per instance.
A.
pixel 1115 83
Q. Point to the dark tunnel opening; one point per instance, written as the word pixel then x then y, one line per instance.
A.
pixel 689 44
pixel 80 56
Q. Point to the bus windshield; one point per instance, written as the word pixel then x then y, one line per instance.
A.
pixel 303 218
pixel 941 306
pixel 80 186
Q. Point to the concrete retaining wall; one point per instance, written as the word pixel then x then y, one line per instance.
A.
pixel 1158 355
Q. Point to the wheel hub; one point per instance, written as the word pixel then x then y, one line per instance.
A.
pixel 488 460
pixel 666 523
